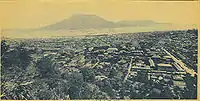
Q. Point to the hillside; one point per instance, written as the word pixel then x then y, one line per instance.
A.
pixel 80 21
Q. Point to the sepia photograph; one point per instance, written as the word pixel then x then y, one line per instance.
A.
pixel 99 49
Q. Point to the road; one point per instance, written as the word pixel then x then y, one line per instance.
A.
pixel 188 70
pixel 129 70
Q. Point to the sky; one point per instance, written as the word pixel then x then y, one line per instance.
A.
pixel 37 13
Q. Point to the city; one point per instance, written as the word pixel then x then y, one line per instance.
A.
pixel 143 65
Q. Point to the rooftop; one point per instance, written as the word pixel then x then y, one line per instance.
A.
pixel 164 65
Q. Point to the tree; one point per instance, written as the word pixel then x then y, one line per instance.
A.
pixel 113 73
pixel 4 47
pixel 88 74
pixel 75 80
pixel 14 74
pixel 191 86
pixel 46 67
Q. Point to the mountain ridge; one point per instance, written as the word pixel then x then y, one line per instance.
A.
pixel 85 21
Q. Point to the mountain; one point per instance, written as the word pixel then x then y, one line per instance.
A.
pixel 81 21
pixel 76 22
pixel 79 24
pixel 136 23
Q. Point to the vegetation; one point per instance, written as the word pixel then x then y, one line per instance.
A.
pixel 22 78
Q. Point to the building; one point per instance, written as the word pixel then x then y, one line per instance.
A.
pixel 165 67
